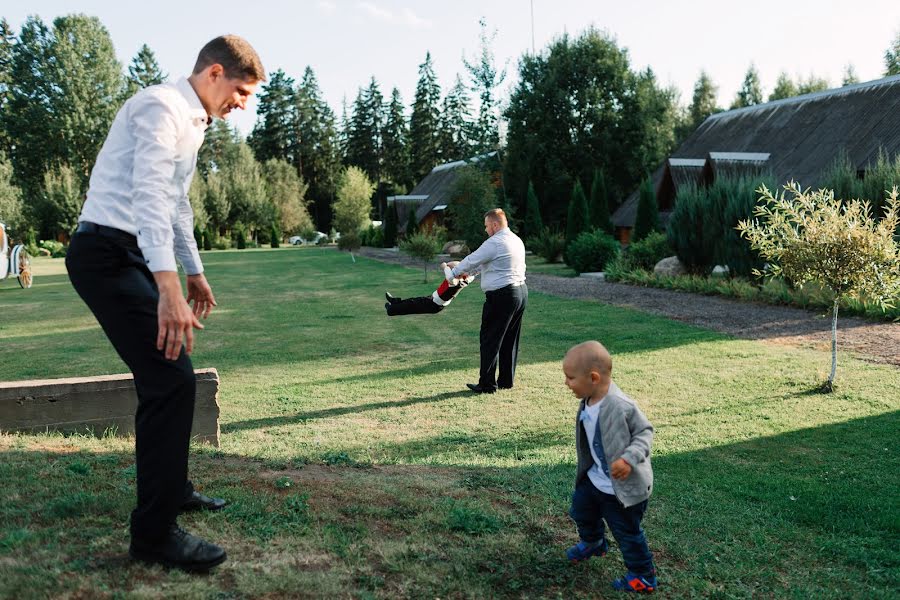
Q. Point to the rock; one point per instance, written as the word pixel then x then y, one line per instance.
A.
pixel 599 275
pixel 455 248
pixel 670 266
pixel 720 270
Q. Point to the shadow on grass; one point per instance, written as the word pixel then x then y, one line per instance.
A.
pixel 733 520
pixel 337 412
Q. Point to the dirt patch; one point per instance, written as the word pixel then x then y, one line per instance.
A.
pixel 871 341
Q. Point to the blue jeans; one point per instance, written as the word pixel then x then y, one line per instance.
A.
pixel 590 507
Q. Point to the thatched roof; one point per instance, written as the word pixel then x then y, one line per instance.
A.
pixel 802 136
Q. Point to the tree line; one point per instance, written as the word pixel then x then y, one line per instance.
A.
pixel 579 111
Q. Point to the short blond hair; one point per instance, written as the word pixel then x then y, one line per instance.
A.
pixel 591 356
pixel 237 57
pixel 496 215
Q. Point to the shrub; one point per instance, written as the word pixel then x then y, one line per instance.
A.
pixel 578 219
pixel 549 245
pixel 686 231
pixel 423 245
pixel 647 218
pixel 390 226
pixel 207 243
pixel 349 241
pixel 221 243
pixel 645 253
pixel 241 239
pixel 591 251
pixel 56 249
pixel 372 236
pixel 274 236
pixel 533 225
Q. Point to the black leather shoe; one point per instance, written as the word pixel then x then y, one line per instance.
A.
pixel 478 389
pixel 391 299
pixel 198 501
pixel 179 550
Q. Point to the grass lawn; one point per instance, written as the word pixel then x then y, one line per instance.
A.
pixel 356 465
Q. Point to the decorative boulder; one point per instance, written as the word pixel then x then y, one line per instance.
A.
pixel 455 248
pixel 670 266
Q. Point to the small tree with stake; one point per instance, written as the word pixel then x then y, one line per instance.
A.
pixel 423 245
pixel 812 236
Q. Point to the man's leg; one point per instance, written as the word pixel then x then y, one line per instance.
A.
pixel 495 317
pixel 509 347
pixel 120 291
pixel 413 306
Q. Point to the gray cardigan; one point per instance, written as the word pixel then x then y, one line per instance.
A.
pixel 626 434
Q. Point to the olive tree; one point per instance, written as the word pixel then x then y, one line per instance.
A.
pixel 811 236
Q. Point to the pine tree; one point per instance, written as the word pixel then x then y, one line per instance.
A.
pixel 533 222
pixel 892 58
pixel 850 76
pixel 599 206
pixel 412 224
pixel 579 218
pixel 751 90
pixel 364 145
pixel 7 49
pixel 424 123
pixel 456 124
pixel 144 71
pixel 485 79
pixel 647 219
pixel 390 226
pixel 784 88
pixel 320 149
pixel 812 84
pixel 275 133
pixel 394 136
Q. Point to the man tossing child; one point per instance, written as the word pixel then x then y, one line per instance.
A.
pixel 614 478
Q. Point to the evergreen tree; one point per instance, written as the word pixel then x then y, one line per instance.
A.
pixel 275 134
pixel 394 136
pixel 274 236
pixel 424 123
pixel 579 218
pixel 533 222
pixel 219 147
pixel 7 50
pixel 751 90
pixel 892 57
pixel 245 190
pixel 784 88
pixel 412 224
pixel 197 197
pixel 850 76
pixel 217 203
pixel 144 71
pixel 364 145
pixel 456 124
pixel 647 219
pixel 319 156
pixel 599 206
pixel 485 79
pixel 390 225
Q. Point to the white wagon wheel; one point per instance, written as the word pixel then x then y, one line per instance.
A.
pixel 21 264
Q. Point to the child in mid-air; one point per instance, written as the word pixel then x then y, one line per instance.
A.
pixel 434 303
pixel 614 477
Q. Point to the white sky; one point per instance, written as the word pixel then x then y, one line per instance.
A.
pixel 348 41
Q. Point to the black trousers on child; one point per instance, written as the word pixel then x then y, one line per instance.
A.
pixel 501 324
pixel 414 306
pixel 108 271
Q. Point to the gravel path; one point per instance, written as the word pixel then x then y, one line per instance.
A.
pixel 877 342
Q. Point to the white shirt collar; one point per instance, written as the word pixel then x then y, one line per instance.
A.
pixel 198 113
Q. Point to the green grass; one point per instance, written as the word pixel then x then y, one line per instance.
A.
pixel 537 264
pixel 356 466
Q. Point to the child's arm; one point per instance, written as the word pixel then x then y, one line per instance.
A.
pixel 639 448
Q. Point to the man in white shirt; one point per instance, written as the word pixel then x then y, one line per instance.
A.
pixel 501 262
pixel 122 262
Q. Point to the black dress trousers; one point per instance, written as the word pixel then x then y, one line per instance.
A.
pixel 501 324
pixel 422 305
pixel 109 273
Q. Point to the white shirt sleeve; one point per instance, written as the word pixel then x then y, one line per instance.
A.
pixel 155 129
pixel 486 252
pixel 185 244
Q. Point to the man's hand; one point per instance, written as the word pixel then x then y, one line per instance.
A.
pixel 200 294
pixel 174 317
pixel 620 469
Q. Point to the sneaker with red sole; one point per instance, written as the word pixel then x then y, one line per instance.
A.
pixel 632 582
pixel 583 551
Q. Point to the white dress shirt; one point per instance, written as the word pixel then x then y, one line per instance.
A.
pixel 141 179
pixel 598 477
pixel 500 260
